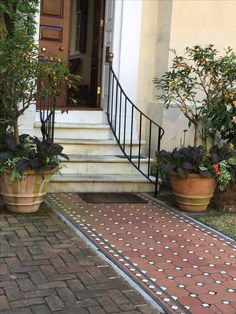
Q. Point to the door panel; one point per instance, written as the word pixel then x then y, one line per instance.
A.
pixel 54 30
pixel 54 8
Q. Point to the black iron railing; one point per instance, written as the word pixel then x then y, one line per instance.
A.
pixel 130 126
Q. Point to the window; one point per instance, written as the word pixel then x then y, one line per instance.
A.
pixel 81 19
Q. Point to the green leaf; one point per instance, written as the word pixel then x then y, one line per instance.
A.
pixel 181 173
pixel 232 161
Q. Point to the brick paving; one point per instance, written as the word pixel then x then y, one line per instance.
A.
pixel 46 268
pixel 185 266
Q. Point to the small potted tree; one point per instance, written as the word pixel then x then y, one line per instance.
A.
pixel 25 75
pixel 223 120
pixel 196 82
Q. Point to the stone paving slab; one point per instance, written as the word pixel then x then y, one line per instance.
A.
pixel 185 266
pixel 46 268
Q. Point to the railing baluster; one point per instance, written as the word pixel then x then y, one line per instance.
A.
pixel 149 146
pixel 125 123
pixel 131 132
pixel 112 99
pixel 116 107
pixel 120 113
pixel 140 138
pixel 113 93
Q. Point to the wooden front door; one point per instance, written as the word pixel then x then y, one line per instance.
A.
pixel 54 31
pixel 57 33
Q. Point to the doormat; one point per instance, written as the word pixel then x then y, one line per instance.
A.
pixel 111 198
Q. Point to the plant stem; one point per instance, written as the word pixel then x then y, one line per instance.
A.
pixel 16 131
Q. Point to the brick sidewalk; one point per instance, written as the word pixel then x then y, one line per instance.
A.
pixel 45 268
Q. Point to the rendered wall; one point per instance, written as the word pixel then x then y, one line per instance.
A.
pixel 177 24
pixel 154 51
pixel 197 22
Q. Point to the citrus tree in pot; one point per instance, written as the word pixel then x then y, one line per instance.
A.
pixel 223 120
pixel 195 82
pixel 25 162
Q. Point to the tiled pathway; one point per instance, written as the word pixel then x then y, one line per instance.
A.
pixel 184 266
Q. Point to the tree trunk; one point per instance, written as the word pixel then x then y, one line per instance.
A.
pixel 196 127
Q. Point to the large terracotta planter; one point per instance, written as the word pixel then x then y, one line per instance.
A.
pixel 26 195
pixel 194 193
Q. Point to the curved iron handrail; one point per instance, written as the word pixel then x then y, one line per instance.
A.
pixel 127 123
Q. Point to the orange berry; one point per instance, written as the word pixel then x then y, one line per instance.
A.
pixel 51 59
pixel 59 60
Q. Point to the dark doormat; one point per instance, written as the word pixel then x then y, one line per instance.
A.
pixel 111 198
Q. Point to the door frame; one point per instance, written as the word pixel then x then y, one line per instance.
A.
pixel 97 54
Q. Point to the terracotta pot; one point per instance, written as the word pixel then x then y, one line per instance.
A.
pixel 225 201
pixel 194 193
pixel 26 195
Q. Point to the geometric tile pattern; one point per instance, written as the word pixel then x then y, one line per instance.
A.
pixel 184 266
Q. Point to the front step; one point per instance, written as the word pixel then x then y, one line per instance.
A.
pixel 100 183
pixel 99 147
pixel 101 165
pixel 94 165
pixel 78 130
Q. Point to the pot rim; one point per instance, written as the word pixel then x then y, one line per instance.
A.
pixel 190 175
pixel 34 171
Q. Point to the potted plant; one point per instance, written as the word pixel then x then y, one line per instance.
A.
pixel 195 83
pixel 25 171
pixel 223 120
pixel 194 173
pixel 225 199
pixel 25 76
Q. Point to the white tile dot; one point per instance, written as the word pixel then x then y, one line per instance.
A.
pixel 205 304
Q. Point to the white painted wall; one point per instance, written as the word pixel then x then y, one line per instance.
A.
pixel 126 47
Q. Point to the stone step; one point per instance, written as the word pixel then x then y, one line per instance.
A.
pixel 94 146
pixel 78 116
pixel 100 183
pixel 78 130
pixel 102 165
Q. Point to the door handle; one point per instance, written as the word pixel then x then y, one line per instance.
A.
pixel 109 55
